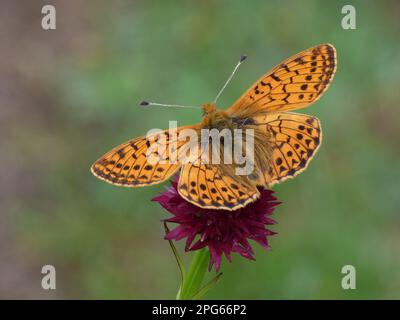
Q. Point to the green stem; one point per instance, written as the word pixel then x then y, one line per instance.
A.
pixel 195 275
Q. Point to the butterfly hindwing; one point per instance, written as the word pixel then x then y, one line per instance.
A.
pixel 295 83
pixel 295 138
pixel 209 186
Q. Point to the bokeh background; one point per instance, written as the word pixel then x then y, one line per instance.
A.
pixel 69 95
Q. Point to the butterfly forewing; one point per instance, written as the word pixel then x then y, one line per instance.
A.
pixel 295 83
pixel 142 161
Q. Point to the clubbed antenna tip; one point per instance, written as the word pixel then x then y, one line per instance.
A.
pixel 243 57
pixel 149 104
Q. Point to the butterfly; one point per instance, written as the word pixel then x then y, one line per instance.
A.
pixel 284 142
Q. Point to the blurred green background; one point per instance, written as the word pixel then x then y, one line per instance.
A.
pixel 69 95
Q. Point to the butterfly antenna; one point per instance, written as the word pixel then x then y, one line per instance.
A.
pixel 241 60
pixel 149 104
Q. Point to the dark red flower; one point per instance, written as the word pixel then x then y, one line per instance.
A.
pixel 222 231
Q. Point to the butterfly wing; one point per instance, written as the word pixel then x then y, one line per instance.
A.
pixel 214 187
pixel 295 83
pixel 294 137
pixel 143 161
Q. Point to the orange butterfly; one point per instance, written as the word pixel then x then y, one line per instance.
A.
pixel 284 142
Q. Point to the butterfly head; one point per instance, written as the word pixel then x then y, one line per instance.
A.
pixel 214 118
pixel 208 109
pixel 209 114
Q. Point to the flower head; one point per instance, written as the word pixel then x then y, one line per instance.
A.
pixel 222 231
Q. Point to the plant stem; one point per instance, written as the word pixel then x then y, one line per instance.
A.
pixel 194 277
